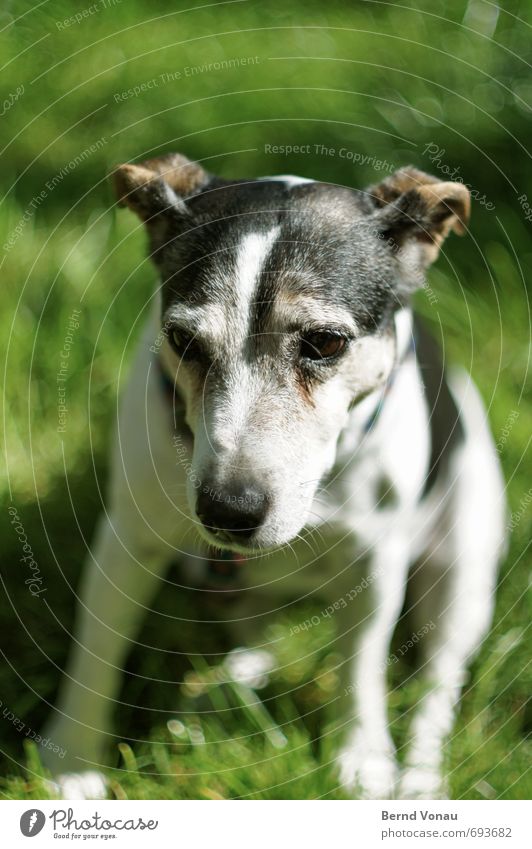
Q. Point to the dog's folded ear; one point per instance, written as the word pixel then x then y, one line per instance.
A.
pixel 158 185
pixel 413 205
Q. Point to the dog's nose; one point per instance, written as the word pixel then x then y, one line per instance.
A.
pixel 232 513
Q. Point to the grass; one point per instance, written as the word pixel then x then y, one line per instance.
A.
pixel 371 79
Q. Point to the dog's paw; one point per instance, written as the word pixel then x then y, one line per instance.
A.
pixel 422 782
pixel 89 784
pixel 370 773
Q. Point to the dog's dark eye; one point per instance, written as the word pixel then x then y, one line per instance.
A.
pixel 184 345
pixel 322 345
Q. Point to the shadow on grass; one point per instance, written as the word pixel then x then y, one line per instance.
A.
pixel 37 628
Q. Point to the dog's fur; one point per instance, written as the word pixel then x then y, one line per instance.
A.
pixel 284 448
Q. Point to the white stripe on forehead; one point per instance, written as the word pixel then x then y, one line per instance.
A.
pixel 213 319
pixel 289 179
pixel 251 255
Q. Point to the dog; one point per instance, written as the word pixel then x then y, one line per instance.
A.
pixel 287 408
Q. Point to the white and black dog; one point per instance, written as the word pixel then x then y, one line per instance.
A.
pixel 283 393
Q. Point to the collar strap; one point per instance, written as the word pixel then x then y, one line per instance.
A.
pixel 372 420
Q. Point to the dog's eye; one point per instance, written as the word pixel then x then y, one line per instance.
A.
pixel 184 345
pixel 322 345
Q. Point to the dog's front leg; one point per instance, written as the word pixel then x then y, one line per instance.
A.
pixel 367 759
pixel 118 584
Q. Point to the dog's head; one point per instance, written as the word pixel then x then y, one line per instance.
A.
pixel 278 302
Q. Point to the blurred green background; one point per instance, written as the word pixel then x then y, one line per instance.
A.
pixel 362 88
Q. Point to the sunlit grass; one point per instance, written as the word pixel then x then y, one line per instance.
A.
pixel 373 79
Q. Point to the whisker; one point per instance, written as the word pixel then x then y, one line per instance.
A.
pixel 316 532
pixel 306 541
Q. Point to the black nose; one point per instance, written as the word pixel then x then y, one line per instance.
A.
pixel 232 513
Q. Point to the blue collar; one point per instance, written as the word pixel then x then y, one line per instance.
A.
pixel 372 420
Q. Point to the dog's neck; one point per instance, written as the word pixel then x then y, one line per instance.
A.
pixel 365 414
